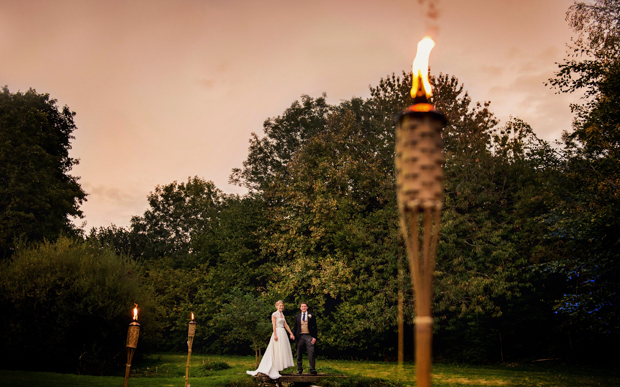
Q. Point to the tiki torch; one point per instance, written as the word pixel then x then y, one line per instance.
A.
pixel 419 175
pixel 190 340
pixel 132 341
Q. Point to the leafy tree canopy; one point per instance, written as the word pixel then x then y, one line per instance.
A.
pixel 178 211
pixel 587 218
pixel 37 195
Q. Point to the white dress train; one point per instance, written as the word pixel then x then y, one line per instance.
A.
pixel 278 354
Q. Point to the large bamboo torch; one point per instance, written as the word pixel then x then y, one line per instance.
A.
pixel 132 341
pixel 190 341
pixel 419 176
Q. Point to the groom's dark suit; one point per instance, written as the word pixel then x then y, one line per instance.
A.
pixel 305 340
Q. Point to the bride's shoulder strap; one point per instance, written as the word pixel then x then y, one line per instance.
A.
pixel 275 314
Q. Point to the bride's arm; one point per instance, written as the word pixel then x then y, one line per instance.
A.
pixel 289 330
pixel 273 324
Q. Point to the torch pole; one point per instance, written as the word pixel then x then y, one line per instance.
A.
pixel 130 352
pixel 422 278
pixel 190 341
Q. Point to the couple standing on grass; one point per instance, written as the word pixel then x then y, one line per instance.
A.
pixel 278 354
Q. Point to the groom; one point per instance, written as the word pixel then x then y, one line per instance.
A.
pixel 305 333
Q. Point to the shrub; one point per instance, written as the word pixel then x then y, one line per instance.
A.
pixel 215 365
pixel 67 305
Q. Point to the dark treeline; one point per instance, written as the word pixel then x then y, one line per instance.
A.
pixel 527 266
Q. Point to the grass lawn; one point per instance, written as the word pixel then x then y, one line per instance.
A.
pixel 168 370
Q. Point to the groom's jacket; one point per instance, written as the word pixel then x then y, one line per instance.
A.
pixel 311 326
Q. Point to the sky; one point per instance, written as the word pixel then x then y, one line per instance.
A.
pixel 166 90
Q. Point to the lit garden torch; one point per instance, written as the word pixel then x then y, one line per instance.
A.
pixel 419 176
pixel 132 341
pixel 190 340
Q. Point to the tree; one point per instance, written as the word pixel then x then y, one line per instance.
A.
pixel 179 292
pixel 587 218
pixel 231 247
pixel 497 190
pixel 593 67
pixel 118 239
pixel 37 195
pixel 245 319
pixel 178 212
pixel 284 135
pixel 334 238
pixel 335 230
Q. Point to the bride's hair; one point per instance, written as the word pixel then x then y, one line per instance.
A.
pixel 278 303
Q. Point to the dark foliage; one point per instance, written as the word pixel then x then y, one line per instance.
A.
pixel 37 195
pixel 67 305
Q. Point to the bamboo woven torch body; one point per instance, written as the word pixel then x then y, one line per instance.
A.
pixel 132 343
pixel 419 176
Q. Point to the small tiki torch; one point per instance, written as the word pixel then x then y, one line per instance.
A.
pixel 419 176
pixel 132 341
pixel 190 341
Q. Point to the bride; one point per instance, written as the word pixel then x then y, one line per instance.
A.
pixel 278 354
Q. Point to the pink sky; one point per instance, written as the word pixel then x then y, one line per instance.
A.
pixel 165 90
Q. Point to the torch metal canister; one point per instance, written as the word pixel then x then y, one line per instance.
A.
pixel 419 189
pixel 133 332
pixel 191 333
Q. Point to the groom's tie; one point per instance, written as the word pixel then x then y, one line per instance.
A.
pixel 304 316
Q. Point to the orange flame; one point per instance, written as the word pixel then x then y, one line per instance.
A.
pixel 135 312
pixel 192 316
pixel 420 84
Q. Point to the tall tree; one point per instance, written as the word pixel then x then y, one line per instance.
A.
pixel 498 188
pixel 588 218
pixel 177 213
pixel 38 196
pixel 231 246
pixel 334 232
pixel 284 135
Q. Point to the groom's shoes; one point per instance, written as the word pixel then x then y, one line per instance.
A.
pixel 313 372
pixel 299 372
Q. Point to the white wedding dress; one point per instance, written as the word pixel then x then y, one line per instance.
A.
pixel 278 354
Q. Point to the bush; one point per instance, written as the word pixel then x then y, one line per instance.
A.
pixel 215 365
pixel 67 306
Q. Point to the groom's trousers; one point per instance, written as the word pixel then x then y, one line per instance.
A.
pixel 305 341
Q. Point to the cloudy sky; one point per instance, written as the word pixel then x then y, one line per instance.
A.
pixel 165 90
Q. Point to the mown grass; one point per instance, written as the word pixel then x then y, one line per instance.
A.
pixel 168 370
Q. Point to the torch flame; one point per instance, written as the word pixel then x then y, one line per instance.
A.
pixel 192 315
pixel 421 87
pixel 135 312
